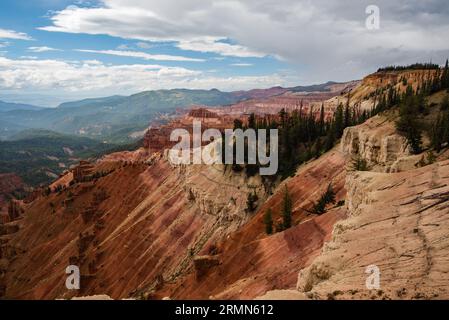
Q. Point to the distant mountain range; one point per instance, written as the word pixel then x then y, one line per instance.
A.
pixel 10 106
pixel 114 118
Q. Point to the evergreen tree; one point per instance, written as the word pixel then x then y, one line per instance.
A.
pixel 347 117
pixel 437 133
pixel 283 117
pixel 238 124
pixel 327 197
pixel 330 138
pixel 268 221
pixel 287 210
pixel 408 124
pixel 382 105
pixel 421 103
pixel 410 127
pixel 321 123
pixel 444 82
pixel 252 121
pixel 339 121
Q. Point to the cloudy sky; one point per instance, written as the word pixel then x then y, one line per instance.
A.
pixel 56 50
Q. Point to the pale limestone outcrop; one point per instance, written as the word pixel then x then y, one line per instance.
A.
pixel 377 142
pixel 398 222
pixel 216 189
pixel 406 163
pixel 95 297
pixel 283 295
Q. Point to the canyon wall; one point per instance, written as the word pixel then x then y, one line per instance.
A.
pixel 137 225
pixel 398 223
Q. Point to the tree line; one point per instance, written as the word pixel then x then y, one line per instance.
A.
pixel 303 135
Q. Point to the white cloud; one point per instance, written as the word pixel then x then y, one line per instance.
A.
pixel 4 44
pixel 328 37
pixel 93 62
pixel 241 64
pixel 29 57
pixel 11 34
pixel 42 49
pixel 141 55
pixel 91 78
pixel 138 20
pixel 214 45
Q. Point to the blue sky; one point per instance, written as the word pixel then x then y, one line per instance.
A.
pixel 25 17
pixel 57 50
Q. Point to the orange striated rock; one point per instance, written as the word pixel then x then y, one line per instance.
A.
pixel 83 172
pixel 137 233
pixel 9 183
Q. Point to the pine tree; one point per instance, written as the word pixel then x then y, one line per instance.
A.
pixel 330 138
pixel 347 117
pixel 327 197
pixel 437 133
pixel 382 105
pixel 252 121
pixel 238 124
pixel 283 117
pixel 408 124
pixel 287 210
pixel 268 221
pixel 321 123
pixel 444 82
pixel 339 125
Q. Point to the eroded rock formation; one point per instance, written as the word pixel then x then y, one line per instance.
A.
pixel 397 222
pixel 377 142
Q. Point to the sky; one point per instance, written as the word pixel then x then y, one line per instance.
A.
pixel 58 50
